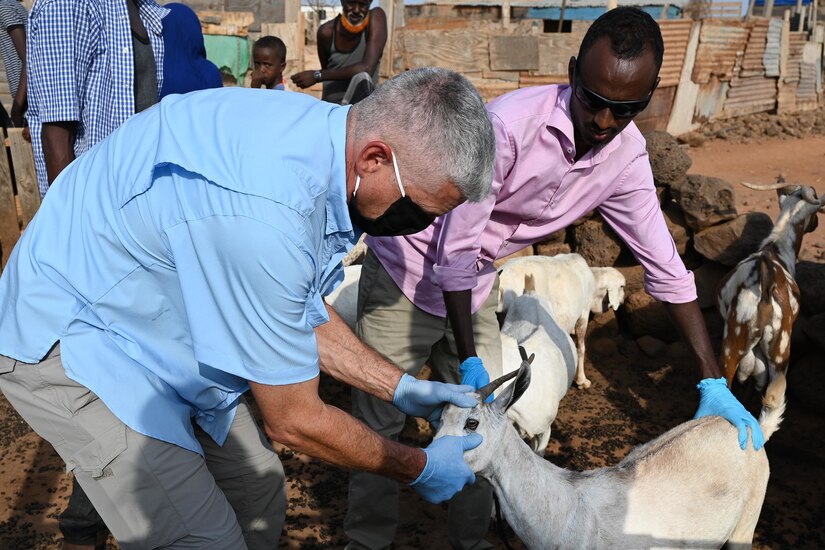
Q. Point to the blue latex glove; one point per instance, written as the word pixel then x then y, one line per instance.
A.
pixel 716 399
pixel 446 473
pixel 474 374
pixel 423 398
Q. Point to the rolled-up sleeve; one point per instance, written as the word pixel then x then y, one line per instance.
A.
pixel 633 211
pixel 459 244
pixel 56 44
pixel 248 293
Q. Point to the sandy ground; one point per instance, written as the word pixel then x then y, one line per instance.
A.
pixel 633 399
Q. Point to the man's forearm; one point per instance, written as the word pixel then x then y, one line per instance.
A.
pixel 58 147
pixel 459 312
pixel 308 425
pixel 691 325
pixel 347 359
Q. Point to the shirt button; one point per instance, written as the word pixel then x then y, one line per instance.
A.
pixel 125 49
pixel 569 150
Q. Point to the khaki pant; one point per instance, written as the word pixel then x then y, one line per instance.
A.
pixel 152 494
pixel 410 337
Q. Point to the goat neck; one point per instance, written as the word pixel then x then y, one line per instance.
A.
pixel 539 499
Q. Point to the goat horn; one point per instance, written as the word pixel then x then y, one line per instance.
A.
pixel 810 196
pixel 524 357
pixel 767 186
pixel 485 392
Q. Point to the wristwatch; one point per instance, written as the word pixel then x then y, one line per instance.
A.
pixel 317 76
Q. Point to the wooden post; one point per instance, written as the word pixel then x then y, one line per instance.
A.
pixel 798 7
pixel 22 157
pixel 611 4
pixel 561 16
pixel 684 103
pixel 663 13
pixel 386 68
pixel 768 8
pixel 750 8
pixel 9 222
pixel 505 14
pixel 801 24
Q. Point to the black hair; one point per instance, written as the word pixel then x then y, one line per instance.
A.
pixel 631 32
pixel 274 43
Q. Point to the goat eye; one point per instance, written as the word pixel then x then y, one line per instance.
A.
pixel 471 424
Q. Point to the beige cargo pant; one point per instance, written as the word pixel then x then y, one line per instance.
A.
pixel 152 494
pixel 410 337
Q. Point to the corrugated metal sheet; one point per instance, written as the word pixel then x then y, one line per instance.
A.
pixel 676 33
pixel 710 99
pixel 796 46
pixel 748 95
pixel 752 63
pixel 772 47
pixel 720 42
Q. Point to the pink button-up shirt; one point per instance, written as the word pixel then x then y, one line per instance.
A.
pixel 537 190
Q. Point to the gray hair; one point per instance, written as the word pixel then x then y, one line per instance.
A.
pixel 440 124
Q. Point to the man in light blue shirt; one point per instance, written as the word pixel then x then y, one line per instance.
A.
pixel 183 260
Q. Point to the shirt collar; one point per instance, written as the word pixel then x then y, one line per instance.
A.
pixel 152 16
pixel 338 219
pixel 561 119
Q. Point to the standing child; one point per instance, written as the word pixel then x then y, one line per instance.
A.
pixel 269 59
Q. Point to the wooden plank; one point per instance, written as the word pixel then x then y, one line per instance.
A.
pixel 681 113
pixel 463 51
pixel 9 222
pixel 514 53
pixel 231 23
pixel 22 157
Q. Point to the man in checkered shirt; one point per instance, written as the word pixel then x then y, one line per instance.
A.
pixel 92 64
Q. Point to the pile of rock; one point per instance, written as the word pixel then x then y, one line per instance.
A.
pixel 759 126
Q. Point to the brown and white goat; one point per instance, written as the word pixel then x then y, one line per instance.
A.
pixel 759 299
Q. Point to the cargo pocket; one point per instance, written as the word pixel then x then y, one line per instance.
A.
pixel 98 454
pixel 6 364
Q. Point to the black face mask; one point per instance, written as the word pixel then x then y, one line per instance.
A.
pixel 403 217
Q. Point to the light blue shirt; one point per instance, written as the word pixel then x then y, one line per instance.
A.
pixel 186 254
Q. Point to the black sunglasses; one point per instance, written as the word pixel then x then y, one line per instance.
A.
pixel 621 109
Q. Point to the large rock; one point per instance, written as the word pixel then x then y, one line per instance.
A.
pixel 596 242
pixel 730 242
pixel 810 277
pixel 707 278
pixel 667 159
pixel 643 315
pixel 677 226
pixel 705 201
pixel 552 249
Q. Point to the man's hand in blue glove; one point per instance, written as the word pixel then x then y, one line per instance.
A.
pixel 421 397
pixel 474 374
pixel 446 473
pixel 716 399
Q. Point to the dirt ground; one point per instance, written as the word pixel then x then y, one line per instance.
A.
pixel 633 399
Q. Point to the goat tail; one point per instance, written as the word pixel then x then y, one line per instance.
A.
pixel 773 405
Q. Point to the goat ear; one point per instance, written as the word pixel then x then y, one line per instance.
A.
pixel 615 297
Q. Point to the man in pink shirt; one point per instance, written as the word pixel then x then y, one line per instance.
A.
pixel 562 151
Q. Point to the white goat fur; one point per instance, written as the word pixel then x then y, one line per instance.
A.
pixel 530 323
pixel 676 491
pixel 344 299
pixel 610 285
pixel 568 284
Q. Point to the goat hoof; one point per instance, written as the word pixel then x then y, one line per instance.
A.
pixel 583 385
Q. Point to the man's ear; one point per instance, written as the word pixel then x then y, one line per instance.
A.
pixel 571 70
pixel 373 155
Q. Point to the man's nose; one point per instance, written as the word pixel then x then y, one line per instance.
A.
pixel 604 119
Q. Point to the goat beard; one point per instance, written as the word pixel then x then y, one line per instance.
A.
pixel 355 29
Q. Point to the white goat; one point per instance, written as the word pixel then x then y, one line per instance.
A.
pixel 344 299
pixel 676 491
pixel 759 299
pixel 568 284
pixel 610 285
pixel 530 323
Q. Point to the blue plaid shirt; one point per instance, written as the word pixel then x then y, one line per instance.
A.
pixel 81 68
